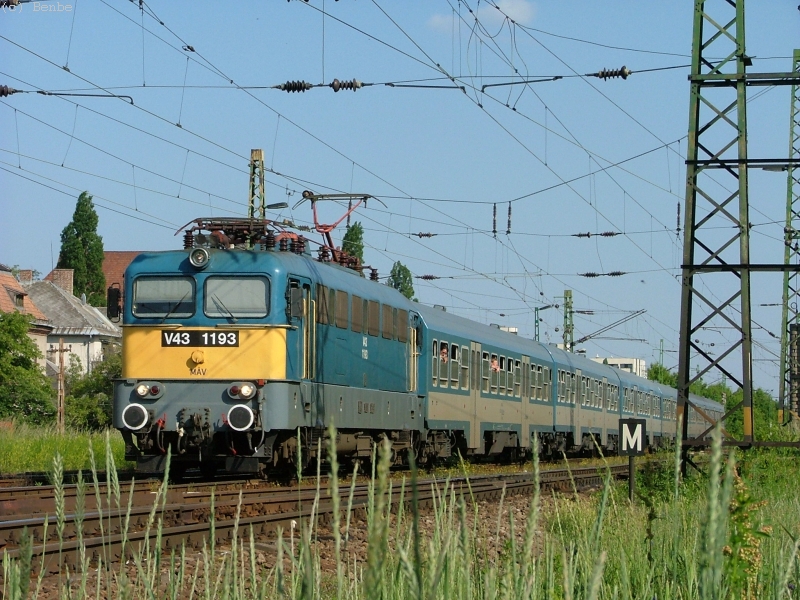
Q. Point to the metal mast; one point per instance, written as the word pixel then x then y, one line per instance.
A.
pixel 716 268
pixel 257 211
pixel 788 394
pixel 569 322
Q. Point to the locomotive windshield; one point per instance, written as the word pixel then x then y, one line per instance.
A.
pixel 237 297
pixel 163 297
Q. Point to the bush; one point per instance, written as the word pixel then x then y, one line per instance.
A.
pixel 25 391
pixel 88 401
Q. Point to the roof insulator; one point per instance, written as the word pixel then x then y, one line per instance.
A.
pixel 613 73
pixel 353 84
pixel 294 86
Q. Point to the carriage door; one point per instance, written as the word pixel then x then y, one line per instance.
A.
pixel 301 340
pixel 475 383
pixel 526 411
pixel 413 350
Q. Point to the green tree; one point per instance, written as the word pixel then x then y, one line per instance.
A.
pixel 88 401
pixel 353 241
pixel 82 251
pixel 25 391
pixel 400 279
pixel 660 374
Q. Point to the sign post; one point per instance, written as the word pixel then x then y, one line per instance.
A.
pixel 632 443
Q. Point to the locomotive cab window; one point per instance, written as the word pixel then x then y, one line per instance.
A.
pixel 237 297
pixel 163 297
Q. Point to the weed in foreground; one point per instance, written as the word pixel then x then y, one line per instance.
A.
pixel 673 545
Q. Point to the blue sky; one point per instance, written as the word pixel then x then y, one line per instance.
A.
pixel 439 159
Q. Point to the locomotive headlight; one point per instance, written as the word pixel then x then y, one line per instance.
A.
pixel 242 390
pixel 142 390
pixel 199 258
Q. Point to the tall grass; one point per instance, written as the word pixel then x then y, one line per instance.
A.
pixel 25 448
pixel 702 540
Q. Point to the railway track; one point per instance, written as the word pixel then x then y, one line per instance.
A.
pixel 186 514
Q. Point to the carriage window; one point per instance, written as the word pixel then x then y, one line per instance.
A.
pixel 356 313
pixel 562 386
pixel 374 318
pixel 388 322
pixel 341 309
pixel 486 370
pixel 584 395
pixel 495 368
pixel 502 376
pixel 464 368
pixel 244 297
pixel 162 296
pixel 444 359
pixel 455 367
pixel 401 325
pixel 517 379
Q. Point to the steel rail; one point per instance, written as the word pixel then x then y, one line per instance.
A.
pixel 189 522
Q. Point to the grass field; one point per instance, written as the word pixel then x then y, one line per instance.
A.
pixel 26 448
pixel 733 533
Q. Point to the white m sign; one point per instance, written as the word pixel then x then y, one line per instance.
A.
pixel 633 434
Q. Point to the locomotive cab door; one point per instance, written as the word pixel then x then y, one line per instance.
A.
pixel 300 309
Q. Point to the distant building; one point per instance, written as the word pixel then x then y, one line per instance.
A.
pixel 114 264
pixel 14 298
pixel 84 329
pixel 637 366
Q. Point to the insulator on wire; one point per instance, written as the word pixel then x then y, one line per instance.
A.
pixel 609 233
pixel 678 221
pixel 294 86
pixel 588 234
pixel 7 91
pixel 616 273
pixel 494 220
pixel 589 274
pixel 508 229
pixel 425 235
pixel 428 277
pixel 353 84
pixel 613 73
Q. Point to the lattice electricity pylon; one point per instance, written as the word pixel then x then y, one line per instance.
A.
pixel 716 268
pixel 256 207
pixel 788 393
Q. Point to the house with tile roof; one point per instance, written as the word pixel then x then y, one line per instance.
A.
pixel 84 329
pixel 14 298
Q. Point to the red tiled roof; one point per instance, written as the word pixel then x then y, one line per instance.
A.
pixel 115 262
pixel 10 288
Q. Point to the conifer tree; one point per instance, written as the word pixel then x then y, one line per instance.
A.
pixel 82 251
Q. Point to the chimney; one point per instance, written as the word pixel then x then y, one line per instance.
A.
pixel 63 279
pixel 25 276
